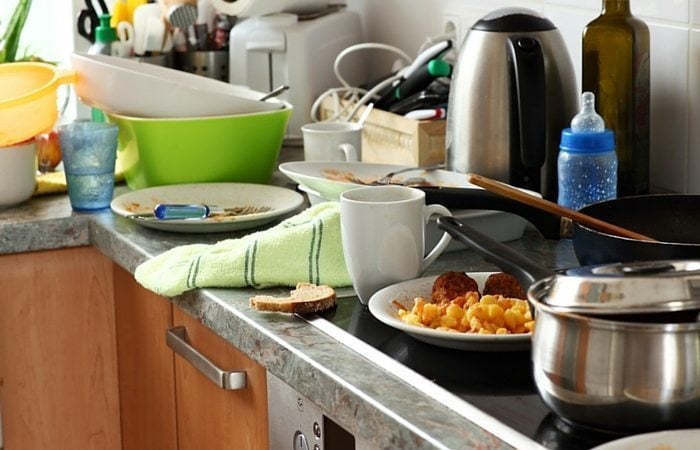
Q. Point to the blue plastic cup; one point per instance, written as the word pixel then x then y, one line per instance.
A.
pixel 89 151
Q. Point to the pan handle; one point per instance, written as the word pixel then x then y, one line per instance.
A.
pixel 523 269
pixel 550 225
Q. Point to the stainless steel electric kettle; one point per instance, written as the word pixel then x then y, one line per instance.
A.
pixel 513 91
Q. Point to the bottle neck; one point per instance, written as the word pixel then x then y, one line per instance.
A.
pixel 616 7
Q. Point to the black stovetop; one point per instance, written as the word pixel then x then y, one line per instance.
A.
pixel 498 383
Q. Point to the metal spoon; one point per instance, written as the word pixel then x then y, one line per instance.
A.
pixel 274 93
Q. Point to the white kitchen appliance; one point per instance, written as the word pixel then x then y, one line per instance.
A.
pixel 271 50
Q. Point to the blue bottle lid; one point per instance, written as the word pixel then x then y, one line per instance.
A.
pixel 587 142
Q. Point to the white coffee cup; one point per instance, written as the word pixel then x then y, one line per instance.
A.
pixel 332 141
pixel 383 235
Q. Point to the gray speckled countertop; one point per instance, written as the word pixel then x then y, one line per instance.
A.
pixel 376 405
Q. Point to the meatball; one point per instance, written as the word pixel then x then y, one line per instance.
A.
pixel 503 284
pixel 450 285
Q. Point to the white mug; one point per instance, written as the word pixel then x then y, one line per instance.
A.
pixel 383 234
pixel 332 141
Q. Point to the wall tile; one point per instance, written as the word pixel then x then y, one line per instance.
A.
pixel 693 175
pixel 669 107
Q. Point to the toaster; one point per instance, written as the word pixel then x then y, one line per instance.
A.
pixel 285 49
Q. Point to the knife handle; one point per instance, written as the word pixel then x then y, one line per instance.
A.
pixel 172 211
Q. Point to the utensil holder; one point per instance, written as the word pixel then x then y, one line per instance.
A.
pixel 212 64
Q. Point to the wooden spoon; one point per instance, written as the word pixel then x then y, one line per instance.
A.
pixel 506 190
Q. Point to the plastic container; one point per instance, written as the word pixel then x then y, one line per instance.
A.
pixel 238 148
pixel 17 173
pixel 28 99
pixel 587 168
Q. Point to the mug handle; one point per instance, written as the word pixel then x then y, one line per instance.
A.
pixel 429 211
pixel 350 152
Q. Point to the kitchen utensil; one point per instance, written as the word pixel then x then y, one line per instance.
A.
pixel 125 32
pixel 139 205
pixel 274 93
pixel 125 86
pixel 155 34
pixel 381 307
pixel 387 179
pixel 28 99
pixel 17 172
pixel 512 92
pixel 241 148
pixel 182 16
pixel 169 211
pixel 383 234
pixel 670 218
pixel 632 371
pixel 597 224
pixel 145 16
pixel 88 19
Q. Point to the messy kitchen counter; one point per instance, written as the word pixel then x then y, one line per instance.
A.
pixel 378 400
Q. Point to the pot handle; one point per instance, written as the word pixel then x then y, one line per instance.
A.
pixel 550 225
pixel 523 269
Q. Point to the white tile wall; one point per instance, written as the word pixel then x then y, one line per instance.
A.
pixel 675 62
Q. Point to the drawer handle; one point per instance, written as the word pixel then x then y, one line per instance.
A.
pixel 176 339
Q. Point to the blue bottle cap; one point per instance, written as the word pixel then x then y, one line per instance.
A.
pixel 584 142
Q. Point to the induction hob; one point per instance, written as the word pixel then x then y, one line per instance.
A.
pixel 498 383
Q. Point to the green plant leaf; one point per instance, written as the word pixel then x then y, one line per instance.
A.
pixel 9 42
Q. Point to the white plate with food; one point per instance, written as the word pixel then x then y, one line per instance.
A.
pixel 383 306
pixel 331 178
pixel 259 203
pixel 661 440
pixel 326 180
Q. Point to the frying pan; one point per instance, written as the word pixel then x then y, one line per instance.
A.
pixel 671 219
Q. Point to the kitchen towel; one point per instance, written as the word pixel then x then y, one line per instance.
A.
pixel 305 247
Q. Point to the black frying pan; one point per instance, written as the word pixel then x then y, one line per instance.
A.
pixel 671 219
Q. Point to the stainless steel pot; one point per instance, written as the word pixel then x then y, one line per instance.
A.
pixel 616 375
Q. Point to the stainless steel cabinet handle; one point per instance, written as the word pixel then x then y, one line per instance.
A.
pixel 176 339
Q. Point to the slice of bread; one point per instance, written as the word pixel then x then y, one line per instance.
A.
pixel 305 299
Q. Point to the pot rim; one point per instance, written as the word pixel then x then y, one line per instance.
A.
pixel 538 290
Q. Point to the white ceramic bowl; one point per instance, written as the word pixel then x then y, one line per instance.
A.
pixel 17 173
pixel 139 89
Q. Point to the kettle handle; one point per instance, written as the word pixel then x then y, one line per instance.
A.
pixel 529 94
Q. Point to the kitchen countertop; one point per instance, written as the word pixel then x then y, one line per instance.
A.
pixel 375 405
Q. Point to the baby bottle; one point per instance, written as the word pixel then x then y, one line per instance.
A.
pixel 587 162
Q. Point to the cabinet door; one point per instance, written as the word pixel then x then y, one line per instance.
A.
pixel 210 417
pixel 146 367
pixel 58 371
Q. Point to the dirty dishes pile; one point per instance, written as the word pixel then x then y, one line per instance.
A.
pixel 177 127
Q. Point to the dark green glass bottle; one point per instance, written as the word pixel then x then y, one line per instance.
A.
pixel 616 69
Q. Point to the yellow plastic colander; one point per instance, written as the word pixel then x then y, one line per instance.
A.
pixel 28 103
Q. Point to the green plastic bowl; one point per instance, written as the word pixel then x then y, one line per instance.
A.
pixel 239 148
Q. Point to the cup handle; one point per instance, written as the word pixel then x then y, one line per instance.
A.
pixel 431 210
pixel 350 152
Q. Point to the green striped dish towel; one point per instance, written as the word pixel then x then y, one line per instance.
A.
pixel 305 247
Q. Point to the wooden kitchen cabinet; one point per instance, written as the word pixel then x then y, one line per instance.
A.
pixel 210 417
pixel 58 368
pixel 146 366
pixel 166 403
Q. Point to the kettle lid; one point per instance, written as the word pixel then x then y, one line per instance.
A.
pixel 513 20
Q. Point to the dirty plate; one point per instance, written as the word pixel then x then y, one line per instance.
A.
pixel 225 195
pixel 381 307
pixel 660 440
pixel 330 179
